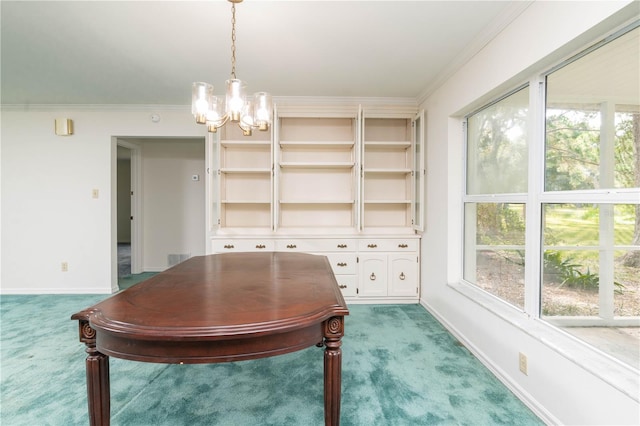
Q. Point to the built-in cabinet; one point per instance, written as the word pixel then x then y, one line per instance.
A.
pixel 344 182
pixel 389 267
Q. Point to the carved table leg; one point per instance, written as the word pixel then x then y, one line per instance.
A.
pixel 333 332
pixel 98 393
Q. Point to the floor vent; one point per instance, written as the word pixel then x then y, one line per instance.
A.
pixel 174 259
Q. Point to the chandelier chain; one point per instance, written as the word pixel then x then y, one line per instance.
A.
pixel 233 40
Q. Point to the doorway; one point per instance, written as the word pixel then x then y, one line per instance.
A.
pixel 127 241
pixel 159 205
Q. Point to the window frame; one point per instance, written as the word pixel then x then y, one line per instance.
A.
pixel 512 198
pixel 536 196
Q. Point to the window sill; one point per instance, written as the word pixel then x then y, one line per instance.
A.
pixel 619 375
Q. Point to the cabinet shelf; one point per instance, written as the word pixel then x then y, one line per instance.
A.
pixel 387 145
pixel 310 165
pixel 244 202
pixel 387 201
pixel 317 201
pixel 388 171
pixel 245 170
pixel 245 143
pixel 317 144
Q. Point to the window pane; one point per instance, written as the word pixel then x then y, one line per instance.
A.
pixel 572 149
pixel 494 249
pixel 593 119
pixel 627 148
pixel 497 147
pixel 570 283
pixel 591 262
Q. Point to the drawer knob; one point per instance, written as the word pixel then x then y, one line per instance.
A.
pixel 402 277
pixel 342 264
pixel 229 246
pixel 372 277
pixel 260 246
pixel 291 246
pixel 403 245
pixel 342 286
pixel 342 246
pixel 372 245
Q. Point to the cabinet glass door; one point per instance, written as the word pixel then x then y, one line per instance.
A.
pixel 213 182
pixel 417 205
pixel 360 137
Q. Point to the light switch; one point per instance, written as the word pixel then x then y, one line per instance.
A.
pixel 95 193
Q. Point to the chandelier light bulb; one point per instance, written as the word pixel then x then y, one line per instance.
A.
pixel 215 115
pixel 235 98
pixel 201 99
pixel 262 110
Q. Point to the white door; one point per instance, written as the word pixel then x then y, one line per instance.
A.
pixel 373 275
pixel 403 275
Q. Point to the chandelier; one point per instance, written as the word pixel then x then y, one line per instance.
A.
pixel 248 112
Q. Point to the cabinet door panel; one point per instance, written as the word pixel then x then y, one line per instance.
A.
pixel 347 284
pixel 373 275
pixel 342 263
pixel 403 275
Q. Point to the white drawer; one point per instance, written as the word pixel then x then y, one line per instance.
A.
pixel 375 244
pixel 316 245
pixel 343 263
pixel 347 284
pixel 233 245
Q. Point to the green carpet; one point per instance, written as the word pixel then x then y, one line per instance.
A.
pixel 400 367
pixel 128 280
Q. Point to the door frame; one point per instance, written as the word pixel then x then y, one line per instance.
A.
pixel 136 207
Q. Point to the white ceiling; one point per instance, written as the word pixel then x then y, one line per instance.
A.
pixel 149 52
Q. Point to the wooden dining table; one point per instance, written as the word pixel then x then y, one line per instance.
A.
pixel 219 308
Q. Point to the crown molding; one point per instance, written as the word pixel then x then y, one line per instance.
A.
pixel 92 107
pixel 312 102
pixel 342 101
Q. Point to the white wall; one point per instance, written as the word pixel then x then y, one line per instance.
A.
pixel 568 382
pixel 173 204
pixel 48 213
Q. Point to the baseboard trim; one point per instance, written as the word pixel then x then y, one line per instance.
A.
pixel 524 396
pixel 36 291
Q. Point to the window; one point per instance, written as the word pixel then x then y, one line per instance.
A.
pixel 497 162
pixel 591 204
pixel 586 197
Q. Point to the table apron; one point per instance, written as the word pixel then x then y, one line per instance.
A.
pixel 207 351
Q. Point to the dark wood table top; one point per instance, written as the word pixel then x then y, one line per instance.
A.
pixel 222 296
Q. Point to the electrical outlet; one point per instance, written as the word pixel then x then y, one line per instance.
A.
pixel 523 363
pixel 64 267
